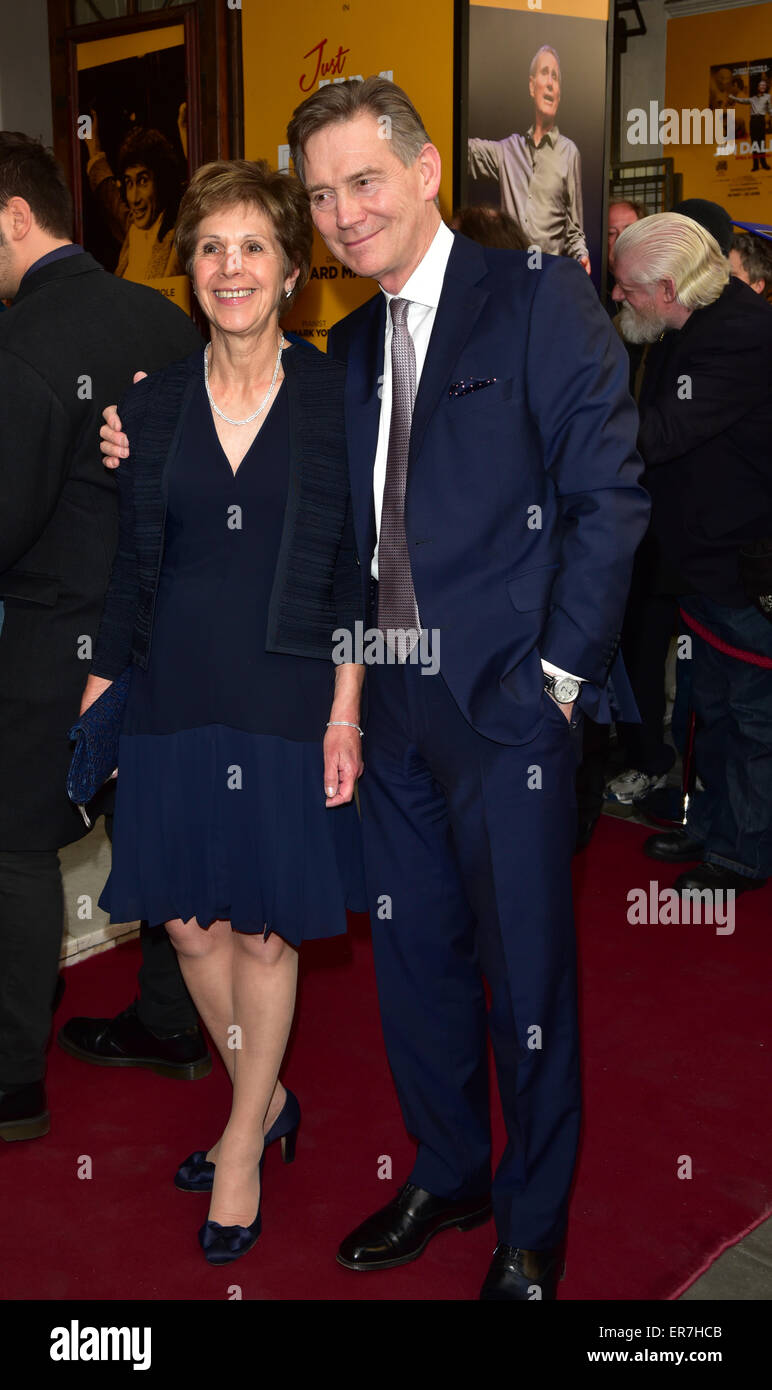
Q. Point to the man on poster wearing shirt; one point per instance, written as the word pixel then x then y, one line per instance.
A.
pixel 539 174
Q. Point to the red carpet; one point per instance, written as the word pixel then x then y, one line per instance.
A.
pixel 675 1027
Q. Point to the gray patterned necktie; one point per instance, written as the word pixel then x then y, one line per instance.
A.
pixel 397 607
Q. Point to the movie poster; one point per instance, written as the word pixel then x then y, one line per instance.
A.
pixel 723 59
pixel 134 155
pixel 536 121
pixel 334 42
pixel 742 89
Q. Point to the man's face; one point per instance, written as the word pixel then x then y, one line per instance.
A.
pixel 373 212
pixel 139 187
pixel 544 87
pixel 723 79
pixel 646 310
pixel 738 269
pixel 620 215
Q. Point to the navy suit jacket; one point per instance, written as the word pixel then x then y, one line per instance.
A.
pixel 523 508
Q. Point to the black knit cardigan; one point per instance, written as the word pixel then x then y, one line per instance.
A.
pixel 317 585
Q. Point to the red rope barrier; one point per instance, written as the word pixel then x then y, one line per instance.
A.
pixel 753 658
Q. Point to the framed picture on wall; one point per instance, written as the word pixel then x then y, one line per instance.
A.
pixel 134 111
pixel 534 104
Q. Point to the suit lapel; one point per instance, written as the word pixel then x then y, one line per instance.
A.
pixel 461 302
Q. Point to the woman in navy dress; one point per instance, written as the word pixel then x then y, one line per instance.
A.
pixel 240 748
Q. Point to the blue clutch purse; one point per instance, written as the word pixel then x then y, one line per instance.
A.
pixel 96 737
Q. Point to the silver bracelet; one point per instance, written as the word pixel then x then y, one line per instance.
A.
pixel 345 724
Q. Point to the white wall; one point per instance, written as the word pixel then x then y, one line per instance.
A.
pixel 25 75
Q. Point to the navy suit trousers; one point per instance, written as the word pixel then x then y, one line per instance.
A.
pixel 468 848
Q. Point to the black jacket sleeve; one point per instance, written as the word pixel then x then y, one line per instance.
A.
pixel 34 457
pixel 112 649
pixel 707 390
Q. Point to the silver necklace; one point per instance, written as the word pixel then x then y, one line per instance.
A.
pixel 262 404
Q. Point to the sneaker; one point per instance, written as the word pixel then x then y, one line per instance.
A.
pixel 631 786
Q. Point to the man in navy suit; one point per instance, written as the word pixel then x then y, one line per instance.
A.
pixel 502 514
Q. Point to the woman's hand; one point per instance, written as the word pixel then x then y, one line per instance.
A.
pixel 95 686
pixel 343 765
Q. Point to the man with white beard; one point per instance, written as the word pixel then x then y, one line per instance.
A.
pixel 706 418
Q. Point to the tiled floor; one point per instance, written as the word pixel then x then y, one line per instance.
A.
pixel 744 1272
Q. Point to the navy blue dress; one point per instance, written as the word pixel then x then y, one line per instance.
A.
pixel 219 810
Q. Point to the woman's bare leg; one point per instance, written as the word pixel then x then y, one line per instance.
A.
pixel 207 963
pixel 264 987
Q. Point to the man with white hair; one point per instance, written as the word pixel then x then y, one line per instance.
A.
pixel 539 174
pixel 706 418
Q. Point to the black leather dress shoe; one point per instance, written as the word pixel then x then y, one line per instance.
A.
pixel 23 1113
pixel 400 1231
pixel 714 876
pixel 523 1275
pixel 125 1042
pixel 673 847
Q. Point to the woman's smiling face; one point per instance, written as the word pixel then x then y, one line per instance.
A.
pixel 239 270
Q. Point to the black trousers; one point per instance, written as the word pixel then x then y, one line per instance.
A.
pixel 164 1005
pixel 649 624
pixel 31 926
pixel 31 921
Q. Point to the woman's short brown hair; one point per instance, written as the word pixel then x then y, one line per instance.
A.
pixel 249 183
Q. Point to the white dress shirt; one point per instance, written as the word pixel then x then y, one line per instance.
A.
pixel 423 290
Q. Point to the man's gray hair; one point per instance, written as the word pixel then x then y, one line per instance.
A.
pixel 343 101
pixel 668 246
pixel 545 48
pixel 755 257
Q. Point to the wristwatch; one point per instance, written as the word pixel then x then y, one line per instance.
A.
pixel 564 689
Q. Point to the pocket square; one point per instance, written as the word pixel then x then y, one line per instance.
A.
pixel 470 383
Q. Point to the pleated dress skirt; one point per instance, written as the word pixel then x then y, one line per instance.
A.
pixel 218 824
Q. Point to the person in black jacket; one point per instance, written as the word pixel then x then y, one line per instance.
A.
pixel 69 342
pixel 236 573
pixel 706 418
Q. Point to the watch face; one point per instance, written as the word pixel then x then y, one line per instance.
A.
pixel 566 690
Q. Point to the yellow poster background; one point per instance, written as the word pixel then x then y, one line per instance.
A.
pixel 695 44
pixel 290 51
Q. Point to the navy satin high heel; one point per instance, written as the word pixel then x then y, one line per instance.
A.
pixel 223 1244
pixel 196 1174
pixel 285 1127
